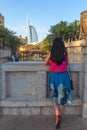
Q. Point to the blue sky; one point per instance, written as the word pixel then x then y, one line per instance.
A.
pixel 41 13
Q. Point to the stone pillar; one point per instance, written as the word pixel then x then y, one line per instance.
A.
pixel 41 75
pixel 84 67
pixel 3 58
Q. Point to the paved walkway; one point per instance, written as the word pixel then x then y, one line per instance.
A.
pixel 41 123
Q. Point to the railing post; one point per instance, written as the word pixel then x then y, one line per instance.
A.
pixel 3 58
pixel 84 67
pixel 41 84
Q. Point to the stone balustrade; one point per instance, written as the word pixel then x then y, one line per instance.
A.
pixel 24 86
pixel 30 80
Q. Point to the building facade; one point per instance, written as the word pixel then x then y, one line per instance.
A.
pixel 1 20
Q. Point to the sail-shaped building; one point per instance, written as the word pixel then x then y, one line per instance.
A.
pixel 31 34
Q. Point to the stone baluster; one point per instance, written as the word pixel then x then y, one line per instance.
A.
pixel 84 67
pixel 3 58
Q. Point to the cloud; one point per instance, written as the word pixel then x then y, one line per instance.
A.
pixel 17 28
pixel 42 30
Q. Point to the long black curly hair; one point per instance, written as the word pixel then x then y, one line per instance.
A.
pixel 58 51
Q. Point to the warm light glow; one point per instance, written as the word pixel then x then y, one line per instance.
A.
pixel 22 49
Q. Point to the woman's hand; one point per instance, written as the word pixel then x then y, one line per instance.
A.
pixel 47 58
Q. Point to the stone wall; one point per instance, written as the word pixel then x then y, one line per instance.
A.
pixel 25 89
pixel 74 50
pixel 30 80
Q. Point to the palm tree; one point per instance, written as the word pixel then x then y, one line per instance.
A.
pixel 9 39
pixel 66 30
pixel 59 29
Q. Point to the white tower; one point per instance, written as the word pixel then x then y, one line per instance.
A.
pixel 28 31
pixel 32 37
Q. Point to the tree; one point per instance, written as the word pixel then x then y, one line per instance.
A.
pixel 59 29
pixel 9 39
pixel 66 30
pixel 45 45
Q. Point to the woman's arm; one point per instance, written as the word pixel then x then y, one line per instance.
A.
pixel 47 59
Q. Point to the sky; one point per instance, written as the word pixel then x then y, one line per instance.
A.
pixel 42 14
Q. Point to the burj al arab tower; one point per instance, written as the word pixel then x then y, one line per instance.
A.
pixel 32 36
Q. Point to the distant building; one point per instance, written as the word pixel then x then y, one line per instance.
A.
pixel 31 37
pixel 1 20
pixel 22 40
pixel 31 34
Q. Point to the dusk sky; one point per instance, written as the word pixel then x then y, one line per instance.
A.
pixel 42 14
